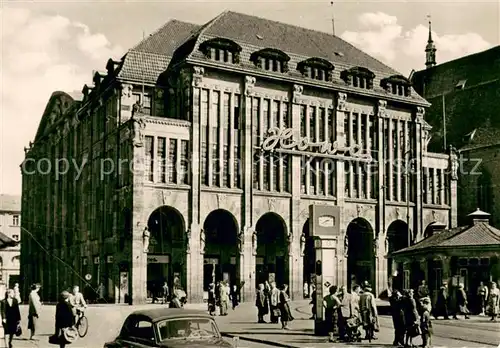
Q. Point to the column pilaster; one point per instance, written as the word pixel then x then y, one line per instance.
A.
pixel 296 268
pixel 417 176
pixel 341 109
pixel 380 229
pixel 138 265
pixel 194 262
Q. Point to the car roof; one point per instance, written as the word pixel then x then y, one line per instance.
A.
pixel 158 314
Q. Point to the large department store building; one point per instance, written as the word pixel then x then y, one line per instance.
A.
pixel 234 128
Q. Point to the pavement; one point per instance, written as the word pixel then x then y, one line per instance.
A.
pixel 105 322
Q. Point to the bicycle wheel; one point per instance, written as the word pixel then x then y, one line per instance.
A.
pixel 82 326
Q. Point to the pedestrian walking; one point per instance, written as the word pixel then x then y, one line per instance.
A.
pixel 34 309
pixel 482 298
pixel 331 304
pixel 494 301
pixel 224 298
pixel 412 324
pixel 369 314
pixel 284 306
pixel 65 331
pixel 462 302
pixel 262 304
pixel 441 307
pixel 425 322
pixel 235 296
pixel 165 293
pixel 274 297
pixel 313 303
pixel 176 300
pixel 11 317
pixel 211 299
pixel 398 317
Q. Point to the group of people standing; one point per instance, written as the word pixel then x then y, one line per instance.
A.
pixel 222 295
pixel 275 302
pixel 411 317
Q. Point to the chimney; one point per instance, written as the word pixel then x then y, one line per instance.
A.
pixel 437 227
pixel 479 216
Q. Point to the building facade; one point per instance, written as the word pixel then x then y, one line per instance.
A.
pixel 201 151
pixel 10 234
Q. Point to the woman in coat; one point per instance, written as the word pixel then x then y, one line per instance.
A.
pixel 261 304
pixel 284 306
pixel 398 318
pixel 332 304
pixel 493 307
pixel 462 302
pixel 64 317
pixel 11 317
pixel 441 308
pixel 411 318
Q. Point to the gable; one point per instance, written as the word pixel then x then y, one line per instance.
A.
pixel 59 103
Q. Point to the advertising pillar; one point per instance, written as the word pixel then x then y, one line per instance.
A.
pixel 325 228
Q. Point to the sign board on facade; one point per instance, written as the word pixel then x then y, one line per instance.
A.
pixel 287 141
pixel 211 261
pixel 324 220
pixel 233 260
pixel 158 259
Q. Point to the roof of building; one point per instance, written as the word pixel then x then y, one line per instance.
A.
pixel 152 56
pixel 469 90
pixel 10 203
pixel 477 234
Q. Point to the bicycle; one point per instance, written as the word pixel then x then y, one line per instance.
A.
pixel 82 324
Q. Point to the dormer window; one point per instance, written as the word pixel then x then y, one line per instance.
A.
pixel 358 77
pixel 221 50
pixel 397 85
pixel 316 68
pixel 271 59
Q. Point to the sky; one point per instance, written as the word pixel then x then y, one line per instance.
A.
pixel 56 45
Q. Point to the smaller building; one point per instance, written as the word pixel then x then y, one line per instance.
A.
pixel 467 254
pixel 10 234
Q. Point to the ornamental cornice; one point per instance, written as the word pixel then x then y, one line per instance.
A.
pixel 168 122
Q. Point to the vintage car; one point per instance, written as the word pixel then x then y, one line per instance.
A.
pixel 169 327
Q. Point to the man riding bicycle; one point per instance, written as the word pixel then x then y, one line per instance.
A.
pixel 78 302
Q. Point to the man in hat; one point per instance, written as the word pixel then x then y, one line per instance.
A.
pixel 368 311
pixel 35 306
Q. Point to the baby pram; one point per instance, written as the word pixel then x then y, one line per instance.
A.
pixel 352 333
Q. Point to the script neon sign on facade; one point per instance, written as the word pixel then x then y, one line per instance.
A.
pixel 284 140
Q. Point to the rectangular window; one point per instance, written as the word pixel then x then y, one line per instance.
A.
pixel 137 98
pixel 431 186
pixel 267 172
pixel 184 165
pixel 347 177
pixel 330 171
pixel 204 135
pixel 236 165
pixel 320 168
pixel 275 114
pixel 285 117
pixel 172 161
pixel 287 164
pixel 303 121
pixel 256 167
pixel 215 157
pixel 312 123
pixel 355 125
pixel 256 120
pixel 146 106
pixel 162 159
pixel 425 186
pixel 266 117
pixel 439 186
pixel 160 102
pixel 303 174
pixel 236 110
pixel 148 165
pixel 312 177
pixel 275 168
pixel 15 220
pixel 347 130
pixel 331 130
pixel 227 134
pixel 321 124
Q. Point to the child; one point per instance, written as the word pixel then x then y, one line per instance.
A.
pixel 425 322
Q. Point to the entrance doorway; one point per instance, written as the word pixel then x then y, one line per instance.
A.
pixel 221 261
pixel 167 250
pixel 360 253
pixel 272 250
pixel 398 236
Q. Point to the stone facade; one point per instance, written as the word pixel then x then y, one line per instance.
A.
pixel 10 226
pixel 193 155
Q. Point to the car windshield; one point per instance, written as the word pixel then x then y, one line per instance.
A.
pixel 187 328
